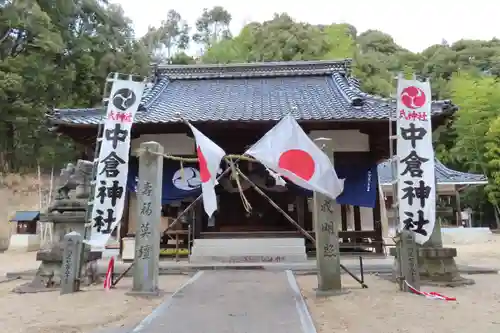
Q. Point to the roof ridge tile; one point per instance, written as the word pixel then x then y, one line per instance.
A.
pixel 443 174
pixel 346 90
pixel 263 69
pixel 261 96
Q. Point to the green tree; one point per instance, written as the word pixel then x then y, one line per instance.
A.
pixel 377 41
pixel 479 103
pixel 174 33
pixel 182 59
pixel 375 77
pixel 283 39
pixel 56 53
pixel 172 37
pixel 212 26
pixel 493 157
pixel 340 40
pixel 475 129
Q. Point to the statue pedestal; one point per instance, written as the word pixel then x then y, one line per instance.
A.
pixel 67 214
pixel 50 272
pixel 436 264
pixel 437 267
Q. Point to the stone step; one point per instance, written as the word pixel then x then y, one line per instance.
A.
pixel 247 250
pixel 254 242
pixel 295 258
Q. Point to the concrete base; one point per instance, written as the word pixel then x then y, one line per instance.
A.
pixel 24 242
pixel 49 273
pixel 249 259
pixel 380 266
pixel 330 293
pixel 248 250
pixel 30 288
pixel 436 266
pixel 146 294
pixel 48 277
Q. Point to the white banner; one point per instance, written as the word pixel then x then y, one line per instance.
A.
pixel 112 165
pixel 415 166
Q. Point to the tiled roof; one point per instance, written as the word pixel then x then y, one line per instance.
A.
pixel 320 90
pixel 25 216
pixel 444 175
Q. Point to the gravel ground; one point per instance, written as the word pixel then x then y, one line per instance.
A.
pixel 17 262
pixel 486 254
pixel 382 308
pixel 84 312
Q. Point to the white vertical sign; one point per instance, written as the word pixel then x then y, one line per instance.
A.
pixel 112 164
pixel 416 179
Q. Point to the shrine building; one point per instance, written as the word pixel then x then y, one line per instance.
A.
pixel 449 185
pixel 235 105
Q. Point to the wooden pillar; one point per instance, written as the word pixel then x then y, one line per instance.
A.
pixel 343 214
pixel 357 222
pixel 458 204
pixel 124 224
pixel 88 152
pixel 384 216
pixel 300 205
pixel 377 224
pixel 198 220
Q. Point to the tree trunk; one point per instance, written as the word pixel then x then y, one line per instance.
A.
pixel 497 217
pixel 10 146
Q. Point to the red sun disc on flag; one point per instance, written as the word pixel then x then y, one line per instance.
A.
pixel 204 173
pixel 298 162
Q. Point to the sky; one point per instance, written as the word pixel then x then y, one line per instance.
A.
pixel 414 25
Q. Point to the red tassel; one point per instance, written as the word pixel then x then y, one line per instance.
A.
pixel 108 281
pixel 432 294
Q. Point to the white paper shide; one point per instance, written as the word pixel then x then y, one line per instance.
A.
pixel 112 164
pixel 415 166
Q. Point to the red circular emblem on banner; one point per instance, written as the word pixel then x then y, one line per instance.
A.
pixel 413 97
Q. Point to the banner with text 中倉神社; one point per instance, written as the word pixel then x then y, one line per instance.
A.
pixel 112 163
pixel 415 165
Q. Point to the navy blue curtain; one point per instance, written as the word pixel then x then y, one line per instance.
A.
pixel 174 187
pixel 360 188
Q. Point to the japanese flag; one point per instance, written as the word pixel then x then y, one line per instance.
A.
pixel 209 157
pixel 288 150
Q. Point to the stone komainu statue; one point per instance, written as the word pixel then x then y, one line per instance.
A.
pixel 73 177
pixel 67 213
pixel 66 182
